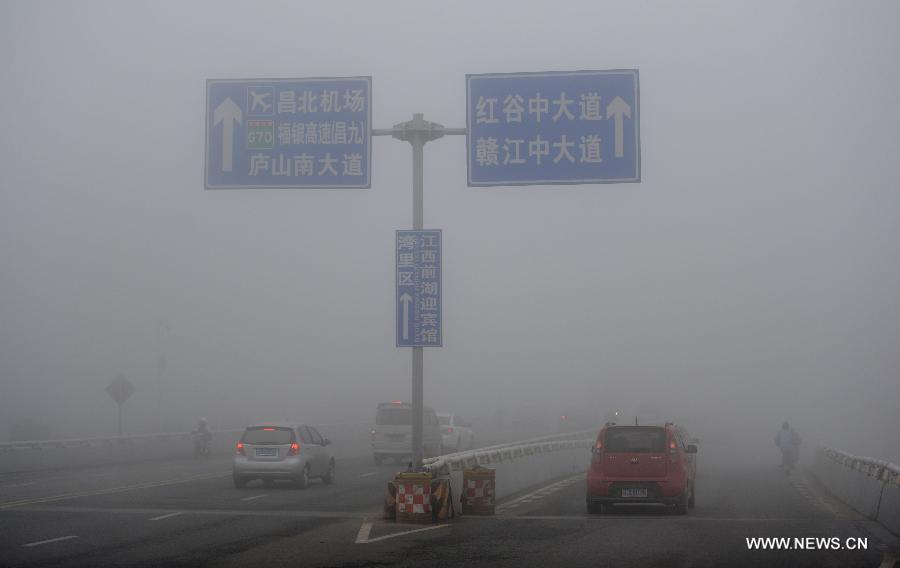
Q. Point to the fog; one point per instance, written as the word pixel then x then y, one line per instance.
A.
pixel 751 277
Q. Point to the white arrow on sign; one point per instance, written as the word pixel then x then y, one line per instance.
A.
pixel 229 113
pixel 405 299
pixel 616 109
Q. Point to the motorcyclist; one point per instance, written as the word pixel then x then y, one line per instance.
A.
pixel 788 441
pixel 204 438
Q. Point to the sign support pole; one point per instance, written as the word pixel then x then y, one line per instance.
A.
pixel 417 132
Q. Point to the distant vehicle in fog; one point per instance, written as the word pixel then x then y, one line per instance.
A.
pixel 392 434
pixel 641 464
pixel 277 450
pixel 456 433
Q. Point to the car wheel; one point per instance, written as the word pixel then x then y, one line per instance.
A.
pixel 682 506
pixel 302 480
pixel 693 493
pixel 328 478
pixel 594 508
pixel 239 482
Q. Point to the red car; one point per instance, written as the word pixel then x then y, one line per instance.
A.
pixel 641 464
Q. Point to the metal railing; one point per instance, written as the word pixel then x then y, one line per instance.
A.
pixel 879 469
pixel 510 451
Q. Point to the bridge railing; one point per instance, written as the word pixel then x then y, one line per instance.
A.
pixel 520 465
pixel 869 485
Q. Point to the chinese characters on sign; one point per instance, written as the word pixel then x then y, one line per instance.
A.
pixel 553 128
pixel 419 288
pixel 302 133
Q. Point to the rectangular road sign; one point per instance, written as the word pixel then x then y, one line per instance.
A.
pixel 289 133
pixel 418 273
pixel 553 128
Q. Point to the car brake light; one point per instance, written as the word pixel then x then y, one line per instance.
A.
pixel 396 402
pixel 239 448
pixel 598 447
pixel 269 429
pixel 295 449
pixel 450 429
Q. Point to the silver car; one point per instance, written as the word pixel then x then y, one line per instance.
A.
pixel 278 450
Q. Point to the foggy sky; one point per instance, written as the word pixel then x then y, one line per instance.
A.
pixel 751 277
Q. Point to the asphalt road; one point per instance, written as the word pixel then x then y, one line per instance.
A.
pixel 187 513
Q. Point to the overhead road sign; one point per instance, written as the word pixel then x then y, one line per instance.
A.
pixel 289 133
pixel 418 273
pixel 568 127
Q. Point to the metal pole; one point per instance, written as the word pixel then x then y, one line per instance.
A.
pixel 417 132
pixel 418 363
pixel 120 419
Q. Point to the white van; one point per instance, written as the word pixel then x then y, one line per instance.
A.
pixel 392 434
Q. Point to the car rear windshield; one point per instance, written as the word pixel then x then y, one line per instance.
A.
pixel 445 420
pixel 636 440
pixel 274 436
pixel 393 416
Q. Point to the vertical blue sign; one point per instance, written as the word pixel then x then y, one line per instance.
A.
pixel 553 128
pixel 418 273
pixel 288 133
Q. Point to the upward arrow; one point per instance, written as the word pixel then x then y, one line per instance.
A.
pixel 616 109
pixel 405 299
pixel 229 113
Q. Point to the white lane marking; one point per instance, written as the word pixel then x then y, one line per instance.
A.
pixel 404 533
pixel 255 497
pixel 540 492
pixel 161 517
pixel 40 542
pixel 368 474
pixel 364 530
pixel 26 484
pixel 148 485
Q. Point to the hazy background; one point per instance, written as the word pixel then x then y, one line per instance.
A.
pixel 751 277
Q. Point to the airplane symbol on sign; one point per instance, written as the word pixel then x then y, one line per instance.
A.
pixel 258 100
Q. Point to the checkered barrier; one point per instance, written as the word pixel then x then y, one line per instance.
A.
pixel 478 491
pixel 413 499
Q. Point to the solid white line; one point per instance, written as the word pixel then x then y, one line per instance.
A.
pixel 40 542
pixel 255 497
pixel 161 517
pixel 368 474
pixel 364 530
pixel 385 537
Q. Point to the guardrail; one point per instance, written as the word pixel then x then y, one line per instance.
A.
pixel 519 465
pixel 869 485
pixel 21 456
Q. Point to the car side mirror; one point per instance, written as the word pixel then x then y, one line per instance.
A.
pixel 691 449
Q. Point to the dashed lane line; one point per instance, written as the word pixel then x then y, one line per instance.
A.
pixel 255 497
pixel 110 491
pixel 169 516
pixel 48 541
pixel 539 493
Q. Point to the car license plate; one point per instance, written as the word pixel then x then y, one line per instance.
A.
pixel 634 492
pixel 265 451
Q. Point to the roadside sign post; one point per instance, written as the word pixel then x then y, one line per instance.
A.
pixel 120 389
pixel 417 132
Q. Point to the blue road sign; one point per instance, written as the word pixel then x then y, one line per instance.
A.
pixel 290 133
pixel 419 288
pixel 553 128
